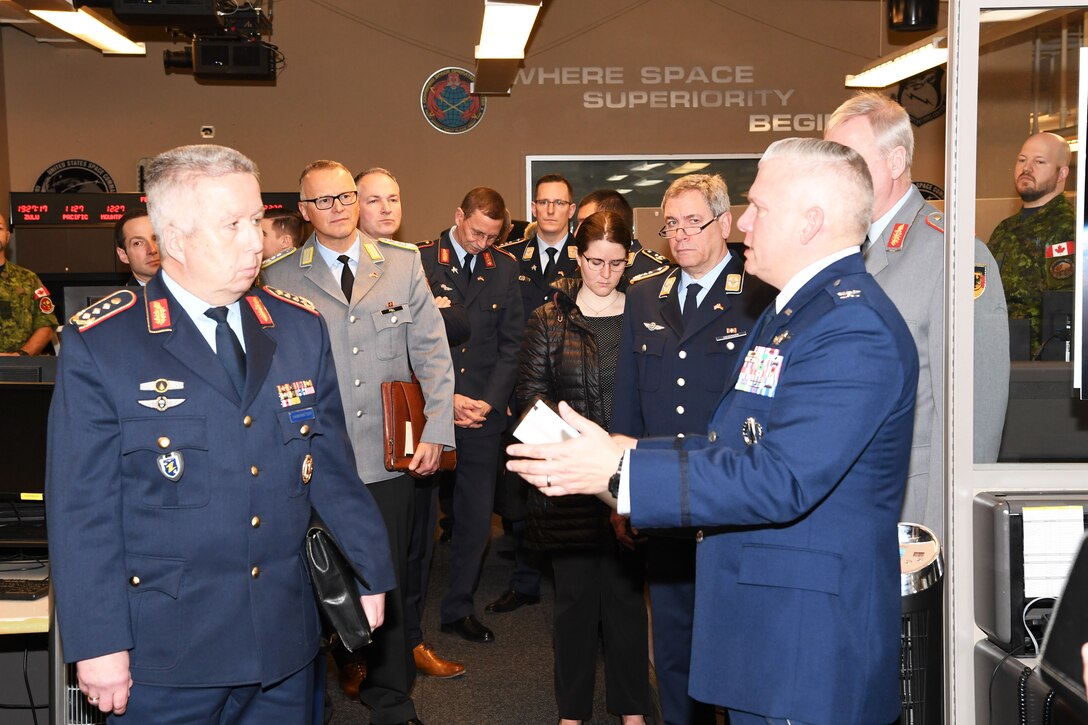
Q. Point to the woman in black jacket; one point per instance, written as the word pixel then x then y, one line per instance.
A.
pixel 569 353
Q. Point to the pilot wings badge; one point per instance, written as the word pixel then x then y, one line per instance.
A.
pixel 653 326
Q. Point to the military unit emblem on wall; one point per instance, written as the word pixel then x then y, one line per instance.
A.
pixel 447 103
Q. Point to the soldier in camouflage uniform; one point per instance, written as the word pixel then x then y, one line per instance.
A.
pixel 1034 248
pixel 26 310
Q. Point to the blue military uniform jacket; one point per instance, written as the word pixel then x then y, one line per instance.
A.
pixel 797 610
pixel 485 365
pixel 177 510
pixel 669 377
pixel 535 287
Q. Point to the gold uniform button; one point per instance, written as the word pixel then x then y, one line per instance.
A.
pixel 255 572
pixel 464 350
pixel 134 581
pixel 699 536
pixel 247 421
pixel 729 346
pixel 712 436
pixel 304 430
pixel 643 348
pixel 253 470
pixel 358 414
pixel 495 306
pixel 462 371
pixel 164 442
pixel 358 382
pixel 255 522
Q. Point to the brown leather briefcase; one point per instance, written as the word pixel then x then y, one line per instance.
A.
pixel 402 413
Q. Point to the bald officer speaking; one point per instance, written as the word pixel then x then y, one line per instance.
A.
pixel 194 424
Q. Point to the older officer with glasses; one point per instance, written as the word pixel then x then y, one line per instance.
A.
pixel 384 325
pixel 681 337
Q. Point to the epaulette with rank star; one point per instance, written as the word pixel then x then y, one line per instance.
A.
pixel 408 246
pixel 514 243
pixel 936 220
pixel 654 255
pixel 278 256
pixel 648 275
pixel 425 243
pixel 503 251
pixel 103 310
pixel 292 299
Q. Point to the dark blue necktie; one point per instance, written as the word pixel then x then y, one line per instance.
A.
pixel 466 267
pixel 228 349
pixel 691 303
pixel 549 271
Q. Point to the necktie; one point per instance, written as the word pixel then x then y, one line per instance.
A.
pixel 466 267
pixel 347 279
pixel 691 303
pixel 549 271
pixel 865 245
pixel 228 349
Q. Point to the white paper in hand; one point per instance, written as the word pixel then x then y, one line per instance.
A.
pixel 541 424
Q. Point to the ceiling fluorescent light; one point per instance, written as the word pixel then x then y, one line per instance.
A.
pixel 648 182
pixel 1007 16
pixel 616 177
pixel 911 61
pixel 90 29
pixel 647 166
pixel 689 168
pixel 506 29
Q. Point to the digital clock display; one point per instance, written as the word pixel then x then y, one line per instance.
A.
pixel 97 210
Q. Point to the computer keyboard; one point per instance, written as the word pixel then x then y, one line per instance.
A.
pixel 23 588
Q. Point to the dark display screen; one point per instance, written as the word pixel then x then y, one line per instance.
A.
pixel 91 210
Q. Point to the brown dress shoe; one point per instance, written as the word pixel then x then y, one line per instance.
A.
pixel 351 678
pixel 429 663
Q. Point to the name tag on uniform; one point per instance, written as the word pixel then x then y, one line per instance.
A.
pixel 760 371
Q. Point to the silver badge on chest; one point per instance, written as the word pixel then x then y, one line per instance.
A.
pixel 751 431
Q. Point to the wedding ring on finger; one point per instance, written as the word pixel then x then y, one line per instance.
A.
pixel 93 700
pixel 547 481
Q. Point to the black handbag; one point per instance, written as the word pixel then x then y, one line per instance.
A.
pixel 333 577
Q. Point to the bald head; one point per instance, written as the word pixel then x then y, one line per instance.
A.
pixel 1042 168
pixel 810 199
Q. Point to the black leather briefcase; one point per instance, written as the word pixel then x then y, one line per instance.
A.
pixel 334 578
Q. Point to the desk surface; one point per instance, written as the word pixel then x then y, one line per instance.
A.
pixel 20 616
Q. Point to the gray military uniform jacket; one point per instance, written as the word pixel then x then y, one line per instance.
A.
pixel 390 328
pixel 908 263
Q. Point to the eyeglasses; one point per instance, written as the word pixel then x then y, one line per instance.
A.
pixel 557 203
pixel 597 264
pixel 478 236
pixel 325 202
pixel 670 231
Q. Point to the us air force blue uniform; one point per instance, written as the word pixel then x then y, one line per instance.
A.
pixel 177 510
pixel 797 611
pixel 669 380
pixel 485 367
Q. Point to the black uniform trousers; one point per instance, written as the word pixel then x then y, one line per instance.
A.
pixel 473 494
pixel 670 571
pixel 390 667
pixel 420 554
pixel 600 590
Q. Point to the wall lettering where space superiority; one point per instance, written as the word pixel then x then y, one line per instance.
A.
pixel 680 87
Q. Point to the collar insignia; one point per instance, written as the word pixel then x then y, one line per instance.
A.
pixel 307 257
pixel 732 283
pixel 528 253
pixel 444 256
pixel 260 311
pixel 158 318
pixel 373 252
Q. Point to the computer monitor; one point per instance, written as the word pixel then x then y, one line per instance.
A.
pixel 28 369
pixel 1056 325
pixel 22 447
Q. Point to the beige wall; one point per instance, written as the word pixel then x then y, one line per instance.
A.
pixel 352 93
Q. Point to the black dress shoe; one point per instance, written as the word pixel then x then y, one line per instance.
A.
pixel 469 628
pixel 511 600
pixel 413 721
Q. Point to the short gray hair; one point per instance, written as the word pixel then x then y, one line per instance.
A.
pixel 711 187
pixel 171 176
pixel 853 190
pixel 889 121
